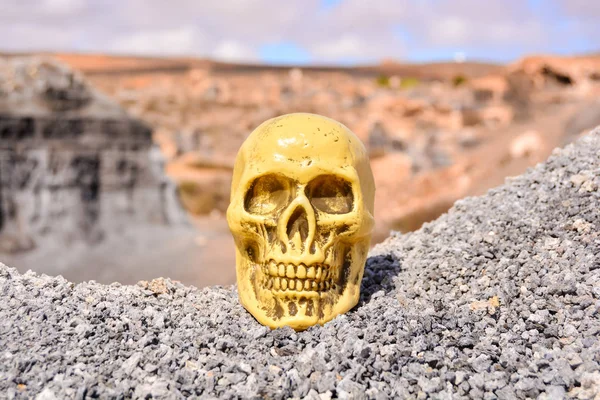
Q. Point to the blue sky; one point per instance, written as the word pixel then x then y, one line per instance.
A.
pixel 285 52
pixel 305 31
pixel 548 12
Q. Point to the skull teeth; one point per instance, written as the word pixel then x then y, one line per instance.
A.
pixel 289 272
pixel 301 271
pixel 299 285
pixel 282 277
pixel 318 272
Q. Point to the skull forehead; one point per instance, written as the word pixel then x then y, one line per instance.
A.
pixel 325 146
pixel 302 140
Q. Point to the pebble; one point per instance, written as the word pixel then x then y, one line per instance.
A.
pixel 415 333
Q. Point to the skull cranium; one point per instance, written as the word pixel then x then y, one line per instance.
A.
pixel 301 214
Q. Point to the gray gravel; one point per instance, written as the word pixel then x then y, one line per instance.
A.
pixel 500 298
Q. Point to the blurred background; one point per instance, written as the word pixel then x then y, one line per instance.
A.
pixel 120 119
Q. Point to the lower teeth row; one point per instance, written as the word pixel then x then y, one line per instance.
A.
pixel 296 284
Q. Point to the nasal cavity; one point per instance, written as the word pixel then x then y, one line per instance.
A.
pixel 298 222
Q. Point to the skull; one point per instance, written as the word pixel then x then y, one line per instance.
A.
pixel 301 214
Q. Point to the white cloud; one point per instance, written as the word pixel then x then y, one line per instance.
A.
pixel 457 31
pixel 61 7
pixel 449 31
pixel 492 23
pixel 230 50
pixel 357 30
pixel 347 46
pixel 351 47
pixel 581 8
pixel 176 41
pixel 26 37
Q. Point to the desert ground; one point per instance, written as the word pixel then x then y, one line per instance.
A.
pixel 435 133
pixel 447 130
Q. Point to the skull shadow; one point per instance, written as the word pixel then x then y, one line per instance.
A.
pixel 379 274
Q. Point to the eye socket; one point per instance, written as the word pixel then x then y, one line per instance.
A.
pixel 330 194
pixel 267 194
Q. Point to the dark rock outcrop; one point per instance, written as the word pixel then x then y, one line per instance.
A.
pixel 73 165
pixel 82 186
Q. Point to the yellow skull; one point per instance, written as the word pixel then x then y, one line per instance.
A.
pixel 301 214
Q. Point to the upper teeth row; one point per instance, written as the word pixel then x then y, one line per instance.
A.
pixel 316 271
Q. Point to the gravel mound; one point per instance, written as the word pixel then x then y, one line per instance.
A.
pixel 500 298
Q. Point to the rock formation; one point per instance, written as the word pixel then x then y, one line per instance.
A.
pixel 499 298
pixel 73 165
pixel 75 168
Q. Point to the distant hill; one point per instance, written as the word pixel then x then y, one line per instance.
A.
pixel 92 64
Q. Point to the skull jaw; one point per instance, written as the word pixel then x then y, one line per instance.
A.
pixel 269 316
pixel 300 310
pixel 317 311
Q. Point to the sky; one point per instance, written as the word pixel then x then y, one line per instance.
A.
pixel 304 31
